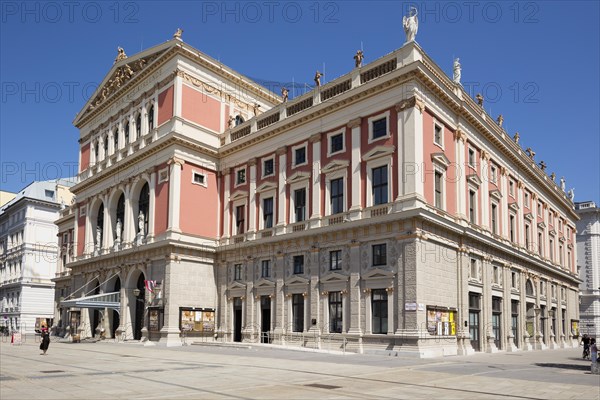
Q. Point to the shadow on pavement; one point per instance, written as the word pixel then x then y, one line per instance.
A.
pixel 564 366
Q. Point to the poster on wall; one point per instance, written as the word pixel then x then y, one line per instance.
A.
pixel 441 322
pixel 575 327
pixel 197 320
pixel 153 320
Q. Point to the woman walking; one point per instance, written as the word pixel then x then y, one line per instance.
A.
pixel 45 340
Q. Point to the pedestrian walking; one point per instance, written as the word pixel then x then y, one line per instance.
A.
pixel 45 340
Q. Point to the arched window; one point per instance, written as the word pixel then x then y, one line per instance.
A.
pixel 144 205
pixel 151 118
pixel 138 125
pixel 96 147
pixel 121 212
pixel 529 288
pixel 127 133
pixel 105 146
pixel 100 224
pixel 239 120
pixel 116 139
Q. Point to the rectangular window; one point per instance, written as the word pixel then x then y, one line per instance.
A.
pixel 240 219
pixel 551 250
pixel 300 204
pixel 496 320
pixel 265 269
pixel 237 272
pixel 539 210
pixel 379 128
pixel 540 243
pixel 337 195
pixel 513 280
pixel 527 199
pixel 511 188
pixel 300 156
pixel 380 185
pixel 335 260
pixel 379 311
pixel 298 264
pixel 379 254
pixel 298 312
pixel 512 228
pixel 335 312
pixel 514 305
pixel 268 167
pixel 437 134
pixel 199 179
pixel 472 206
pixel 474 271
pixel 569 259
pixel 438 189
pixel 494 218
pixel 560 255
pixel 493 174
pixel 496 277
pixel 471 157
pixel 527 237
pixel 337 143
pixel 240 176
pixel 268 213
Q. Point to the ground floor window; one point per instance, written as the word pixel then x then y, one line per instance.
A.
pixel 514 305
pixel 379 310
pixel 298 312
pixel 335 312
pixel 474 310
pixel 496 321
pixel 543 318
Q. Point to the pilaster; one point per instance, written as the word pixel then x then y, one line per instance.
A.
pixel 355 206
pixel 176 165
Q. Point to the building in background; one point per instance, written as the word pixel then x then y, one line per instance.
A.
pixel 588 260
pixel 5 197
pixel 382 211
pixel 28 253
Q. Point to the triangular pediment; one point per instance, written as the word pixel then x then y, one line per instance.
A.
pixel 378 151
pixel 542 225
pixel 239 194
pixel 236 285
pixel 514 206
pixel 529 216
pixel 334 277
pixel 474 180
pixel 265 187
pixel 440 159
pixel 264 283
pixel 378 273
pixel 297 280
pixel 496 194
pixel 298 176
pixel 335 165
pixel 124 70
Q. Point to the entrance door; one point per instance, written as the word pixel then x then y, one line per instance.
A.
pixel 116 319
pixel 237 319
pixel 474 309
pixel 265 323
pixel 139 308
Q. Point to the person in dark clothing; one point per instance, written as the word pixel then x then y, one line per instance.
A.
pixel 45 341
pixel 586 346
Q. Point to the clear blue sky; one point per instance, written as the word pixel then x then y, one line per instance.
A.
pixel 537 63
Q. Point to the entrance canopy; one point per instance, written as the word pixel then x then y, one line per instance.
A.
pixel 97 301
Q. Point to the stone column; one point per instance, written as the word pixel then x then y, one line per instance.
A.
pixel 128 224
pixel 169 334
pixel 503 209
pixel 252 202
pixel 353 297
pixel 315 178
pixel 355 168
pixel 461 182
pixel 314 295
pixel 226 203
pixel 510 345
pixel 176 164
pixel 462 327
pixel 282 176
pixel 488 344
pixel 177 96
pixel 278 274
pixel 107 228
pixel 151 206
pixel 410 143
pixel 485 191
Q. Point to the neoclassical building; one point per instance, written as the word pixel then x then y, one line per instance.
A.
pixel 382 211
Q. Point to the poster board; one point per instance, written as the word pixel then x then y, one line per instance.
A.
pixel 441 322
pixel 197 319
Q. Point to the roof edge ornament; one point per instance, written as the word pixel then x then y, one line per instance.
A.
pixel 410 23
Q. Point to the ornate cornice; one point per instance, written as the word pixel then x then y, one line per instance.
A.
pixel 353 123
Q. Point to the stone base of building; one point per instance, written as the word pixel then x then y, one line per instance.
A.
pixel 170 338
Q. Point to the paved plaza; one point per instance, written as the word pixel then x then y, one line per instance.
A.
pixel 129 370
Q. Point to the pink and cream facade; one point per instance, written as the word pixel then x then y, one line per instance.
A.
pixel 383 210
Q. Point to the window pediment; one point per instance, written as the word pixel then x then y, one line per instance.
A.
pixel 378 151
pixel 236 285
pixel 377 273
pixel 239 194
pixel 529 216
pixel 266 187
pixel 334 277
pixel 440 159
pixel 264 283
pixel 496 194
pixel 474 180
pixel 514 206
pixel 335 165
pixel 296 281
pixel 542 225
pixel 298 176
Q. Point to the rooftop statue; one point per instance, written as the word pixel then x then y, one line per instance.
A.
pixel 543 165
pixel 553 176
pixel 318 76
pixel 120 54
pixel 500 120
pixel 517 136
pixel 563 184
pixel 530 152
pixel 177 34
pixel 358 58
pixel 479 99
pixel 457 71
pixel 285 93
pixel 411 24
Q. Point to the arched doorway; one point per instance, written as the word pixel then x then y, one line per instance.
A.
pixel 99 234
pixel 116 318
pixel 143 207
pixel 139 307
pixel 120 217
